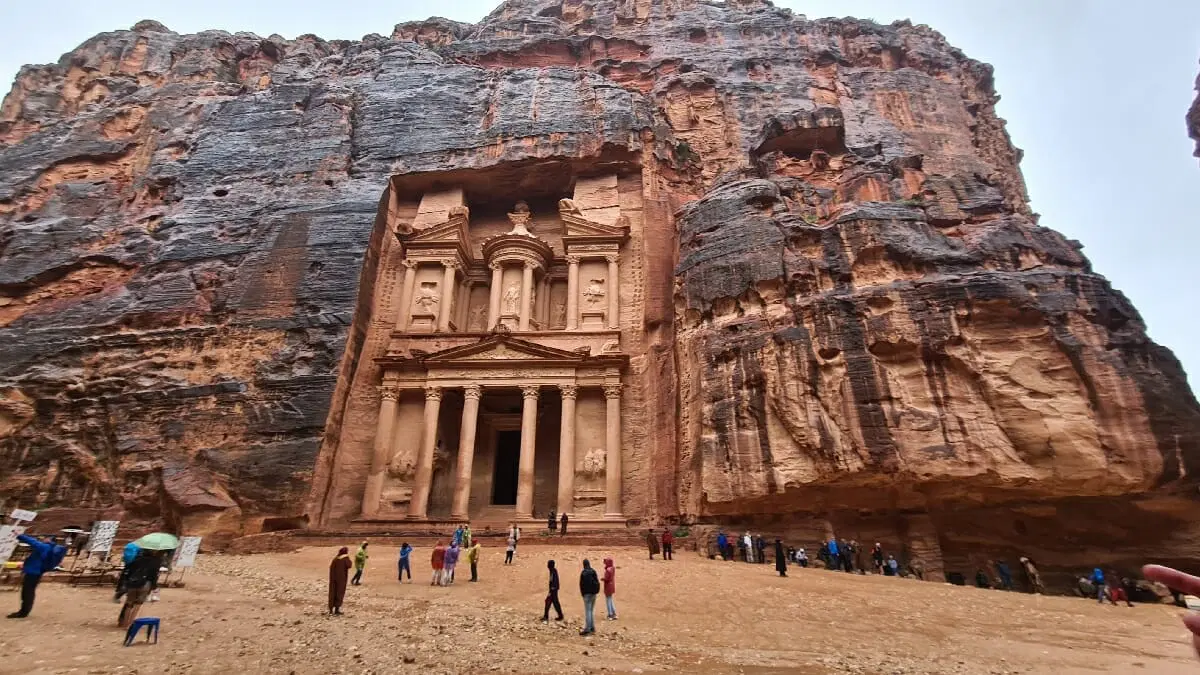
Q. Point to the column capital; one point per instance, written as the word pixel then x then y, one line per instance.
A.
pixel 451 264
pixel 530 391
pixel 574 259
pixel 473 391
pixel 568 390
pixel 612 391
pixel 389 392
pixel 495 266
pixel 433 393
pixel 410 264
pixel 613 257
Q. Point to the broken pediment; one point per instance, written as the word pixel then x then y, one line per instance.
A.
pixel 454 229
pixel 579 226
pixel 500 348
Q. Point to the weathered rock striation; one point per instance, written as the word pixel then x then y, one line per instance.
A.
pixel 850 319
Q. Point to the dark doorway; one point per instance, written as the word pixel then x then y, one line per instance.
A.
pixel 508 460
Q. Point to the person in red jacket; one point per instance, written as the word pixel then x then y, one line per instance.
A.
pixel 668 540
pixel 610 587
pixel 437 561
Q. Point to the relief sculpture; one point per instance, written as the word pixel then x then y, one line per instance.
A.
pixel 427 297
pixel 593 463
pixel 594 293
pixel 512 299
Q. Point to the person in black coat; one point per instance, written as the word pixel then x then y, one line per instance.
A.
pixel 589 588
pixel 552 596
pixel 780 559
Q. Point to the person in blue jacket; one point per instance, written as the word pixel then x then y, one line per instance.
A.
pixel 1098 581
pixel 833 554
pixel 44 556
pixel 130 553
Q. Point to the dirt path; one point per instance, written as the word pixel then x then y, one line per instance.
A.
pixel 265 614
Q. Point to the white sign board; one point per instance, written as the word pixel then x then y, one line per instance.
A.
pixel 185 556
pixel 22 514
pixel 103 534
pixel 8 540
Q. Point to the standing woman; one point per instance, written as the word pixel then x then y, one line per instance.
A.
pixel 652 543
pixel 610 587
pixel 780 559
pixel 339 575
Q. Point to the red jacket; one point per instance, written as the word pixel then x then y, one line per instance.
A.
pixel 610 577
pixel 439 557
pixel 668 538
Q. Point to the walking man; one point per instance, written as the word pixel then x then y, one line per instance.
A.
pixel 834 557
pixel 360 564
pixel 552 595
pixel 44 556
pixel 668 540
pixel 405 552
pixel 1098 580
pixel 589 587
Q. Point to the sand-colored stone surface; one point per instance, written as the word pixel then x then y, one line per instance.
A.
pixel 265 614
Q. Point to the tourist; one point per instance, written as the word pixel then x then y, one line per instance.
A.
pixel 130 553
pixel 780 559
pixel 877 558
pixel 893 566
pixel 760 550
pixel 360 564
pixel 982 580
pixel 835 560
pixel 515 534
pixel 801 558
pixel 1116 588
pixel 723 545
pixel 405 553
pixel 552 520
pixel 652 543
pixel 449 563
pixel 438 562
pixel 668 540
pixel 458 536
pixel 1097 580
pixel 552 595
pixel 473 559
pixel 466 538
pixel 610 587
pixel 339 573
pixel 846 555
pixel 1031 573
pixel 1005 575
pixel 589 587
pixel 564 524
pixel 1179 582
pixel 43 557
pixel 823 554
pixel 857 556
pixel 139 583
pixel 743 553
pixel 512 547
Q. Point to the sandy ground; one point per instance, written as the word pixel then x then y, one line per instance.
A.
pixel 266 614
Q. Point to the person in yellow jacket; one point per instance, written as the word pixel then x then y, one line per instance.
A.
pixel 360 563
pixel 473 558
pixel 466 542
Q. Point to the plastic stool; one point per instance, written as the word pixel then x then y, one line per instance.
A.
pixel 151 624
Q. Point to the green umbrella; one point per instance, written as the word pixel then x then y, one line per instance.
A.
pixel 158 541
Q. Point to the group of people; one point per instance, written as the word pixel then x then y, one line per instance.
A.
pixel 554 521
pixel 589 588
pixel 668 544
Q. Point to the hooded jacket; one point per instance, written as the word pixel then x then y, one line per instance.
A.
pixel 589 583
pixel 553 577
pixel 452 556
pixel 43 556
pixel 610 577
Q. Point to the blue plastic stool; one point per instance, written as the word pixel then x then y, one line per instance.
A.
pixel 151 624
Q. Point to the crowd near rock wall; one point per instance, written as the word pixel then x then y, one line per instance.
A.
pixel 853 322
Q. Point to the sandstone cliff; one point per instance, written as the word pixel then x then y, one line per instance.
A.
pixel 852 320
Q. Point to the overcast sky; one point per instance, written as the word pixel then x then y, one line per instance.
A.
pixel 1094 91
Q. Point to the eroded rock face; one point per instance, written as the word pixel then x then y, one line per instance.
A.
pixel 853 322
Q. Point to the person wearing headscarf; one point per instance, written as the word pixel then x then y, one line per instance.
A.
pixel 552 595
pixel 339 574
pixel 780 559
pixel 437 563
pixel 451 561
pixel 360 564
pixel 589 587
pixel 610 587
pixel 652 543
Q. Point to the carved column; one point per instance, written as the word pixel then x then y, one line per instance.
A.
pixel 526 296
pixel 612 459
pixel 494 295
pixel 462 315
pixel 614 283
pixel 466 451
pixel 420 494
pixel 572 292
pixel 528 445
pixel 447 309
pixel 543 308
pixel 383 446
pixel 566 451
pixel 406 294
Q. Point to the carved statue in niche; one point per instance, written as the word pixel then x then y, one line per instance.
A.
pixel 402 468
pixel 593 463
pixel 428 297
pixel 512 299
pixel 520 218
pixel 594 293
pixel 478 318
pixel 560 313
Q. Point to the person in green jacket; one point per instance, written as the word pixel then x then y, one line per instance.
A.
pixel 466 542
pixel 360 563
pixel 473 558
